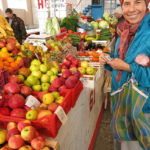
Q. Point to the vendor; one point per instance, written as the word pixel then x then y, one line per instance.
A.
pixel 17 25
pixel 133 39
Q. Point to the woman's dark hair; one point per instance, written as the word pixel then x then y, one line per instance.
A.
pixel 8 10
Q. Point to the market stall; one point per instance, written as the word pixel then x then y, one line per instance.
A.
pixel 51 86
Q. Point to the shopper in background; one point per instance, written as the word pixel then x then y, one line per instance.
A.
pixel 133 39
pixel 118 12
pixel 17 25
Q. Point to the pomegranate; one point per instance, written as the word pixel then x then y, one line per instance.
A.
pixel 56 83
pixel 70 83
pixel 12 88
pixel 25 90
pixel 16 101
pixel 14 79
pixel 66 73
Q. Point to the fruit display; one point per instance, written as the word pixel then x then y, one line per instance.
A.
pixel 6 31
pixel 10 56
pixel 23 136
pixel 41 75
pixel 74 65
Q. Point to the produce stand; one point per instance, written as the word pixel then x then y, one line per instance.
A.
pixel 80 130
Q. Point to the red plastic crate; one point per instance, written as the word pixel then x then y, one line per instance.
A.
pixel 75 92
pixel 47 126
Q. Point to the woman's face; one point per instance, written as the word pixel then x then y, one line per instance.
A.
pixel 134 10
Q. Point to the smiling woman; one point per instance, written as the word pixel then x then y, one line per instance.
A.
pixel 133 39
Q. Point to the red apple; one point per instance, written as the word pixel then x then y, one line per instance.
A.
pixel 52 88
pixel 74 78
pixel 73 69
pixel 44 113
pixel 38 143
pixel 69 57
pixel 63 66
pixel 70 83
pixel 11 40
pixel 66 73
pixel 63 87
pixel 18 113
pixel 6 147
pixel 62 80
pixel 15 142
pixel 22 124
pixel 76 73
pixel 5 111
pixel 25 90
pixel 28 133
pixel 2 44
pixel 52 107
pixel 10 46
pixel 73 66
pixel 75 62
pixel 66 62
pixel 11 125
pixel 56 83
pixel 12 132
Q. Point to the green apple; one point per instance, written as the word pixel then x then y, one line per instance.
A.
pixel 45 78
pixel 27 83
pixel 55 94
pixel 90 71
pixel 31 115
pixel 50 73
pixel 59 100
pixel 52 78
pixel 36 62
pixel 54 70
pixel 43 68
pixel 36 87
pixel 82 70
pixel 37 74
pixel 38 82
pixel 45 86
pixel 21 77
pixel 34 68
pixel 48 98
pixel 84 64
pixel 32 80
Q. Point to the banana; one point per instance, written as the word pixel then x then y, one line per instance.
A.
pixel 2 25
pixel 1 36
pixel 3 32
pixel 8 27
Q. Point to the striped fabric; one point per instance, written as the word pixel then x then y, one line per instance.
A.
pixel 128 122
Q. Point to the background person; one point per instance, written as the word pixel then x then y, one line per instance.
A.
pixel 17 25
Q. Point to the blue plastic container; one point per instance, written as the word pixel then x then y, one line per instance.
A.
pixel 97 11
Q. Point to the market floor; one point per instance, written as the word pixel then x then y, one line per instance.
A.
pixel 104 140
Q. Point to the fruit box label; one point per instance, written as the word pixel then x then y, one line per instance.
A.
pixel 32 102
pixel 61 115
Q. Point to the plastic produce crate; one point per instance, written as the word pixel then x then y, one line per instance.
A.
pixel 47 126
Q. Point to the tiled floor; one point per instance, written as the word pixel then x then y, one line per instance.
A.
pixel 104 140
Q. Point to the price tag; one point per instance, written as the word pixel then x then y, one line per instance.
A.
pixel 61 115
pixel 32 102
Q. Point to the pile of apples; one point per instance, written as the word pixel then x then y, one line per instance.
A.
pixel 22 136
pixel 41 75
pixel 74 64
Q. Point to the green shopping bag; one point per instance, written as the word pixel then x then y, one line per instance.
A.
pixel 128 122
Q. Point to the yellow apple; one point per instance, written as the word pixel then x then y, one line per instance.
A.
pixel 3 135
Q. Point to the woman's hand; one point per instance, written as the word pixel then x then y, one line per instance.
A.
pixel 102 59
pixel 119 64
